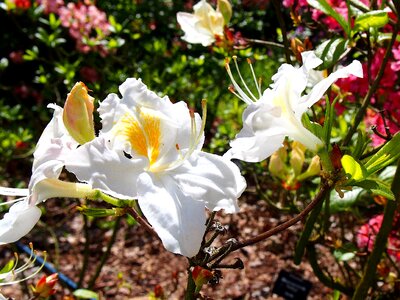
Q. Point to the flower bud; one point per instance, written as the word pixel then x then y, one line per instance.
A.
pixel 277 163
pixel 45 286
pixel 78 114
pixel 297 157
pixel 200 277
pixel 225 8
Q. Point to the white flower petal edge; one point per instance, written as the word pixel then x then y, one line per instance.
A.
pixel 203 25
pixel 53 145
pixel 149 149
pixel 20 219
pixel 178 220
pixel 277 113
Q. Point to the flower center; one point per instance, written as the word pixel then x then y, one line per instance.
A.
pixel 143 133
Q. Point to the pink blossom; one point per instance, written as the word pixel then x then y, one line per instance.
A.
pixel 366 236
pixel 87 25
pixel 50 6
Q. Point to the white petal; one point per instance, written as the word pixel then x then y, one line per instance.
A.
pixel 212 179
pixel 189 24
pixel 54 130
pixel 20 219
pixel 107 170
pixel 13 191
pixel 355 68
pixel 178 219
pixel 262 134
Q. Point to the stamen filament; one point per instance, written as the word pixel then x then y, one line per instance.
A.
pixel 254 77
pixel 243 95
pixel 241 78
pixel 12 201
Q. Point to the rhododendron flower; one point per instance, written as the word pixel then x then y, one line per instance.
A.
pixel 87 25
pixel 203 26
pixel 277 112
pixel 149 149
pixel 366 236
pixel 54 143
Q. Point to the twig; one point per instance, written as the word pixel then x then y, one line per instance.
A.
pixel 141 221
pixel 106 254
pixel 85 250
pixel 266 43
pixel 325 189
pixel 277 5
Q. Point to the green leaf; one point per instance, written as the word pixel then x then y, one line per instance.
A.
pixel 8 267
pixel 349 199
pixel 375 19
pixel 386 156
pixel 353 168
pixel 315 128
pixel 343 256
pixel 331 51
pixel 377 187
pixel 85 294
pixel 326 8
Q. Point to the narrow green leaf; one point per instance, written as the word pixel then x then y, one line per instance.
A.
pixel 375 19
pixel 377 187
pixel 85 294
pixel 386 156
pixel 353 168
pixel 331 51
pixel 326 8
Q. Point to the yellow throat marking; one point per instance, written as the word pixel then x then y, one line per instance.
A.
pixel 143 134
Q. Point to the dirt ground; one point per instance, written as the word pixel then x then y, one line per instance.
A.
pixel 138 263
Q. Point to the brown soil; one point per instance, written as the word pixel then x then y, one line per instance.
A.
pixel 138 263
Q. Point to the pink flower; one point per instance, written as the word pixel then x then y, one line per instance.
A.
pixel 366 236
pixel 50 6
pixel 87 25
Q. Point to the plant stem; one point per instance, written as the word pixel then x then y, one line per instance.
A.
pixel 325 189
pixel 141 221
pixel 328 281
pixel 367 99
pixel 305 235
pixel 277 5
pixel 266 43
pixel 380 241
pixel 85 250
pixel 106 254
pixel 190 293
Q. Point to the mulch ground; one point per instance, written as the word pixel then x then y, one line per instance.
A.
pixel 138 264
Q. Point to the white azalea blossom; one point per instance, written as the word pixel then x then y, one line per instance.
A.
pixel 203 25
pixel 276 113
pixel 149 149
pixel 53 145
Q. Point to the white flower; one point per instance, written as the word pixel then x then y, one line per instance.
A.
pixel 203 25
pixel 278 111
pixel 149 149
pixel 52 147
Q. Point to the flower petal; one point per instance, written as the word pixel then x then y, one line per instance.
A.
pixel 107 170
pixel 355 68
pixel 262 134
pixel 20 219
pixel 178 219
pixel 189 24
pixel 212 179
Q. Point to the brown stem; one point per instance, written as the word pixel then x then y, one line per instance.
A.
pixel 326 188
pixel 278 5
pixel 141 221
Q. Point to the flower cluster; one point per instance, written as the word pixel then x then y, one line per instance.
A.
pixel 385 111
pixel 87 25
pixel 148 149
pixel 366 236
